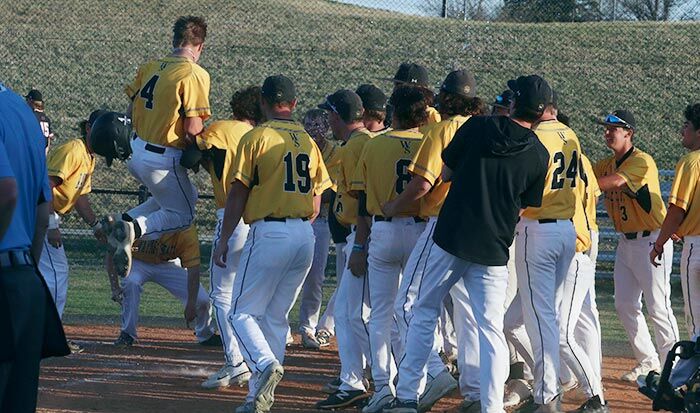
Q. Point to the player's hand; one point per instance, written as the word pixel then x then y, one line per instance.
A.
pixel 389 209
pixel 190 312
pixel 655 253
pixel 220 254
pixel 54 237
pixel 358 263
pixel 99 233
pixel 676 238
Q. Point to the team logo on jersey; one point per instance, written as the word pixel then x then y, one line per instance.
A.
pixel 562 136
pixel 406 145
pixel 295 139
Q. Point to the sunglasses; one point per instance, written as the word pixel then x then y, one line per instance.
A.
pixel 331 105
pixel 617 120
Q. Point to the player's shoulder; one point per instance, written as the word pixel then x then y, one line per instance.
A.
pixel 690 160
pixel 639 157
pixel 198 70
pixel 71 146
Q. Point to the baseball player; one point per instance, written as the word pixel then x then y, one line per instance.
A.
pixel 630 180
pixel 70 168
pixel 471 238
pixel 278 178
pixel 413 74
pixel 345 112
pixel 172 261
pixel 220 142
pixel 501 105
pixel 457 101
pixel 381 175
pixel 35 100
pixel 545 241
pixel 169 103
pixel 682 219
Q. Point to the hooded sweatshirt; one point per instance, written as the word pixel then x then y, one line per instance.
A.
pixel 498 167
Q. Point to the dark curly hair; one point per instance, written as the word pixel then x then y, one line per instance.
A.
pixel 378 115
pixel 189 30
pixel 451 104
pixel 692 115
pixel 245 104
pixel 410 106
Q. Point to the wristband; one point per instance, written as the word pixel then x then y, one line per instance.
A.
pixel 358 247
pixel 94 223
pixel 53 221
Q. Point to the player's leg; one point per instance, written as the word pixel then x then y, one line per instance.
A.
pixel 312 292
pixel 468 339
pixel 587 331
pixel 326 324
pixel 690 283
pixel 132 286
pixel 628 305
pixel 53 266
pixel 446 330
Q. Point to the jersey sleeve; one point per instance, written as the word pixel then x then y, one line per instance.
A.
pixel 634 171
pixel 331 154
pixel 188 248
pixel 133 88
pixel 243 166
pixel 5 167
pixel 210 137
pixel 454 152
pixel 359 176
pixel 428 161
pixel 322 179
pixel 684 184
pixel 195 95
pixel 62 163
pixel 532 196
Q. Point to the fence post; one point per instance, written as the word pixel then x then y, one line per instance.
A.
pixel 444 9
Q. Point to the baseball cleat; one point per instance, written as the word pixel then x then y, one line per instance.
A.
pixel 518 391
pixel 227 375
pixel 323 338
pixel 124 340
pixel 267 383
pixel 247 407
pixel 74 347
pixel 553 406
pixel 120 237
pixel 470 406
pixel 379 400
pixel 290 339
pixel 568 386
pixel 332 386
pixel 213 341
pixel 308 340
pixel 342 399
pixel 435 389
pixel 641 369
pixel 592 405
pixel 398 406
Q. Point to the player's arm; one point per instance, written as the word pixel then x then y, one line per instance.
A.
pixel 416 189
pixel 42 217
pixel 612 182
pixel 674 218
pixel 193 127
pixel 357 262
pixel 192 292
pixel 53 235
pixel 235 205
pixel 195 102
pixel 84 209
pixel 446 173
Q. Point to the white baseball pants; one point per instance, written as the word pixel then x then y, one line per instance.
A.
pixel 171 207
pixel 543 254
pixel 485 286
pixel 587 331
pixel 390 246
pixel 635 278
pixel 171 276
pixel 53 266
pixel 312 292
pixel 690 281
pixel 222 280
pixel 327 320
pixel 276 258
pixel 351 316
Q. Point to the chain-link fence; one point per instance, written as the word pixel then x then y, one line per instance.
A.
pixel 599 56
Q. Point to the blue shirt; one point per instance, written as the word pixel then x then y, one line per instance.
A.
pixel 22 157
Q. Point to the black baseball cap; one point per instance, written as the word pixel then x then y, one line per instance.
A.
pixel 460 82
pixel 35 95
pixel 411 73
pixel 96 114
pixel 621 118
pixel 346 103
pixel 531 93
pixel 278 89
pixel 503 100
pixel 372 97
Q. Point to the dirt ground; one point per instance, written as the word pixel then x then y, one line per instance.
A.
pixel 163 372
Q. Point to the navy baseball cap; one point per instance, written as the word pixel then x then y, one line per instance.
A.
pixel 372 97
pixel 503 100
pixel 278 89
pixel 346 103
pixel 460 82
pixel 35 95
pixel 621 118
pixel 411 73
pixel 531 93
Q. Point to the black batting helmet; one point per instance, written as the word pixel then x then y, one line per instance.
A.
pixel 110 136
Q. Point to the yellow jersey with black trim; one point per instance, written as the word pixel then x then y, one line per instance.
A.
pixel 221 138
pixel 559 196
pixel 72 163
pixel 345 162
pixel 428 163
pixel 163 94
pixel 639 206
pixel 382 172
pixel 283 168
pixel 685 193
pixel 585 215
pixel 182 244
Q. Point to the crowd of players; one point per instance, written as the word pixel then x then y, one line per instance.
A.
pixel 465 233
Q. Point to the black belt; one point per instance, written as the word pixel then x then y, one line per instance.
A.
pixel 15 259
pixel 634 235
pixel 379 218
pixel 155 149
pixel 275 219
pixel 547 221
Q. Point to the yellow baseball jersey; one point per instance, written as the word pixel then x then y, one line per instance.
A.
pixel 428 163
pixel 164 93
pixel 639 208
pixel 684 193
pixel 72 163
pixel 585 215
pixel 559 196
pixel 283 168
pixel 348 155
pixel 382 172
pixel 182 244
pixel 224 136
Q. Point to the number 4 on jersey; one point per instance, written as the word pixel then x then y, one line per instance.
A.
pixel 147 92
pixel 571 171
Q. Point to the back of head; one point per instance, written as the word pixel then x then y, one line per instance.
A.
pixel 532 94
pixel 409 107
pixel 692 115
pixel 346 104
pixel 316 123
pixel 458 95
pixel 35 99
pixel 189 30
pixel 278 90
pixel 110 136
pixel 245 104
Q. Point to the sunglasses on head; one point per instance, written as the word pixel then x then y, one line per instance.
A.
pixel 499 99
pixel 617 120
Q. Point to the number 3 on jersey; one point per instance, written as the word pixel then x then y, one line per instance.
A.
pixel 147 92
pixel 573 165
pixel 301 162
